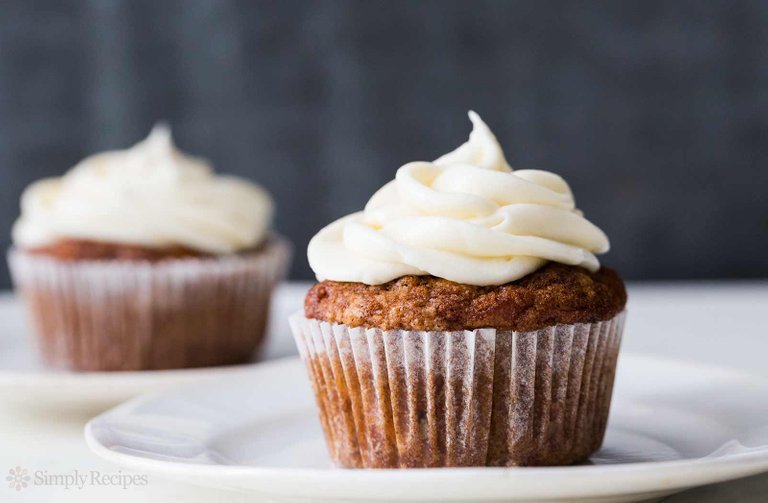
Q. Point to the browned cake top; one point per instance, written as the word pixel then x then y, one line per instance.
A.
pixel 555 294
pixel 79 249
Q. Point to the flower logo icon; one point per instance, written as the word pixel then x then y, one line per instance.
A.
pixel 17 478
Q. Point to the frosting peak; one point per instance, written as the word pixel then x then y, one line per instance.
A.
pixel 482 150
pixel 151 195
pixel 465 217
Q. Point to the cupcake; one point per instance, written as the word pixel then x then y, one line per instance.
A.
pixel 145 259
pixel 462 319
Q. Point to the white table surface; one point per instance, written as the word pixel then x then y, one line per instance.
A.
pixel 721 323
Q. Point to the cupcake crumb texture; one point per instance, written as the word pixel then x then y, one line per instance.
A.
pixel 555 294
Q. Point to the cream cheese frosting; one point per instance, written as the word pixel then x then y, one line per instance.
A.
pixel 466 217
pixel 150 195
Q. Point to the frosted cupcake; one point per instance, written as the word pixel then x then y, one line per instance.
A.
pixel 145 259
pixel 462 319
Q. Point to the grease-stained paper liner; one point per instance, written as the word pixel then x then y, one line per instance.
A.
pixel 137 315
pixel 405 399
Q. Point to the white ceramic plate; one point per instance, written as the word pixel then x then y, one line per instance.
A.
pixel 26 381
pixel 673 426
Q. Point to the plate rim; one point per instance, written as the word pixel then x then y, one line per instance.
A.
pixel 634 478
pixel 32 377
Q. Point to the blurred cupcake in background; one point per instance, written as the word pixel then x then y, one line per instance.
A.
pixel 145 259
pixel 462 319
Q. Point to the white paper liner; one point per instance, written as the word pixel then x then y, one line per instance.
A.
pixel 406 399
pixel 135 315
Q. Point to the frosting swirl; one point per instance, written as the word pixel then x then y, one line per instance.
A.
pixel 151 195
pixel 466 217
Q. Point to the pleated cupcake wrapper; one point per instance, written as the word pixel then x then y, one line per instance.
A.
pixel 132 315
pixel 390 399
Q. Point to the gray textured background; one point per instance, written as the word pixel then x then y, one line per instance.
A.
pixel 655 112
